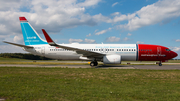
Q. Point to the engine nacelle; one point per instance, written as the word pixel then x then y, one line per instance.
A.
pixel 112 59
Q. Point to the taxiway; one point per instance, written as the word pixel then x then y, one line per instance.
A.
pixel 153 67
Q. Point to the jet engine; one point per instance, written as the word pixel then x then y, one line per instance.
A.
pixel 112 59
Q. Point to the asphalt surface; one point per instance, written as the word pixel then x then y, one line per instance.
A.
pixel 151 67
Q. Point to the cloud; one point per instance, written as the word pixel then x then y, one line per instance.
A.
pixel 116 39
pixel 56 15
pixel 11 49
pixel 9 5
pixel 100 18
pixel 115 13
pixel 81 41
pixel 158 12
pixel 121 17
pixel 139 42
pixel 75 40
pixel 18 39
pixel 53 15
pixel 89 3
pixel 161 12
pixel 178 40
pixel 114 4
pixel 1 43
pixel 96 30
pixel 129 34
pixel 89 41
pixel 103 31
pixel 88 35
pixel 176 49
pixel 112 39
pixel 126 39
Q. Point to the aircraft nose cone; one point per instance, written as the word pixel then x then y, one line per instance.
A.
pixel 175 54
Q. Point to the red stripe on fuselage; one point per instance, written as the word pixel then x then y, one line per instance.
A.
pixel 154 53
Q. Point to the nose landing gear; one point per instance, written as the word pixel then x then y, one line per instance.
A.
pixel 160 63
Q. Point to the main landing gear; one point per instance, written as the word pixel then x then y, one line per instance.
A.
pixel 94 63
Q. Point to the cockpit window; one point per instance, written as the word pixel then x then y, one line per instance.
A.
pixel 168 50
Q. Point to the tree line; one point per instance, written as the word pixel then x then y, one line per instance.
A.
pixel 23 56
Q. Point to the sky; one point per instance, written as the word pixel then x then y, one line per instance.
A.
pixel 93 21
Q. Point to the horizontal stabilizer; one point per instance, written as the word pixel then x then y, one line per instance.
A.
pixel 18 44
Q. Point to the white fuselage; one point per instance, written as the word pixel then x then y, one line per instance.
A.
pixel 128 52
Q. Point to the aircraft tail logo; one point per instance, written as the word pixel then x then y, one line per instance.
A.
pixel 31 37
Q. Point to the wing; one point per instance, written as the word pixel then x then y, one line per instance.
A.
pixel 85 53
pixel 24 46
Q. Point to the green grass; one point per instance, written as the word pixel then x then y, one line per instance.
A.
pixel 11 59
pixel 35 62
pixel 173 61
pixel 54 84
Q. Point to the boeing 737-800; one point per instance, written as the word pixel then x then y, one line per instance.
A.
pixel 107 53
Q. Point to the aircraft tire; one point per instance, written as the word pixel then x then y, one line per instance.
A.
pixel 160 64
pixel 95 63
pixel 92 64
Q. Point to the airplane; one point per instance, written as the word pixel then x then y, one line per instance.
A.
pixel 107 53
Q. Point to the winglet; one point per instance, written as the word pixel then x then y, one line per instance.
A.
pixel 22 19
pixel 48 38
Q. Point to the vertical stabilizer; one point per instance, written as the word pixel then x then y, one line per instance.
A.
pixel 31 37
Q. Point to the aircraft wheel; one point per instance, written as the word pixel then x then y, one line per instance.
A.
pixel 160 64
pixel 95 63
pixel 92 64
